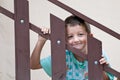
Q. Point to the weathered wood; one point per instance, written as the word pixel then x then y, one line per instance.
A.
pixel 22 26
pixel 87 19
pixel 95 69
pixel 58 48
pixel 22 50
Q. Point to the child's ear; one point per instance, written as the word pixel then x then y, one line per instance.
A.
pixel 91 34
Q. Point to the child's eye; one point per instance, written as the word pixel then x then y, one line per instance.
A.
pixel 69 37
pixel 80 34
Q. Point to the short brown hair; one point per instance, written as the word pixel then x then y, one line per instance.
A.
pixel 74 20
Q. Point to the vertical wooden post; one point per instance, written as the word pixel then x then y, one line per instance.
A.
pixel 58 49
pixel 95 69
pixel 22 40
pixel 22 51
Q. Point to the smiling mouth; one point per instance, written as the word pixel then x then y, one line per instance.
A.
pixel 78 46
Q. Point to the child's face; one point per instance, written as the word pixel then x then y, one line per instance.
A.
pixel 77 37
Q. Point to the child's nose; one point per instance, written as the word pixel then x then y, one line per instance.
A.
pixel 76 39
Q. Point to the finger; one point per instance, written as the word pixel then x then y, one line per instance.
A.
pixel 103 61
pixel 44 30
pixel 47 30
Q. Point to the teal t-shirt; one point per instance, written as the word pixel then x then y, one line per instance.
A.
pixel 76 70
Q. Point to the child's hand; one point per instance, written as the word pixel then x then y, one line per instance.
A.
pixel 45 30
pixel 103 61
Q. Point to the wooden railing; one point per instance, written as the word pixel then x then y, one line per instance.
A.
pixel 22 49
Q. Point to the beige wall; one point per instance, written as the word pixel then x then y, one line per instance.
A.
pixel 104 11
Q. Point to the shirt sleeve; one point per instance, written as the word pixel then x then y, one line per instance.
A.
pixel 46 65
pixel 111 76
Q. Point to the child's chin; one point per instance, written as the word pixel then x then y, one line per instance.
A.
pixel 77 47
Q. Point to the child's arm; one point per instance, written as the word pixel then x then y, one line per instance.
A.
pixel 105 76
pixel 35 57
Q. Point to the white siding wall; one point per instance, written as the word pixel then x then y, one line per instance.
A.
pixel 105 12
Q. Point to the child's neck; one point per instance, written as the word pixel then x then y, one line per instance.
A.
pixel 79 58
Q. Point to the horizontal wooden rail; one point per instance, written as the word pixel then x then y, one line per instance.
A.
pixel 87 19
pixel 6 12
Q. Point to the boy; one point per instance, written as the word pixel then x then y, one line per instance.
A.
pixel 77 68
